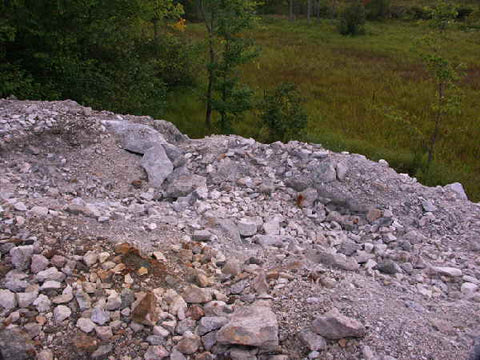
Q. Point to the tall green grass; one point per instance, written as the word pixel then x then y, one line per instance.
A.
pixel 348 82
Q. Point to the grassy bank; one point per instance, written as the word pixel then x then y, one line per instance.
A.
pixel 351 83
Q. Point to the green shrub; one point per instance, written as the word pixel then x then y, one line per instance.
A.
pixel 398 12
pixel 377 9
pixel 419 13
pixel 463 12
pixel 352 19
pixel 282 114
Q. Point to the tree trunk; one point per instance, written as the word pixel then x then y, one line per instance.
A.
pixel 211 80
pixel 309 10
pixel 438 120
pixel 155 29
pixel 291 16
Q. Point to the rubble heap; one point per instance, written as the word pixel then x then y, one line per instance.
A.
pixel 121 238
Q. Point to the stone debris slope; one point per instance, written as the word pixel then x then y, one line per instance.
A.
pixel 121 238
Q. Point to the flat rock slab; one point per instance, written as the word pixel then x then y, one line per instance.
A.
pixel 136 138
pixel 251 326
pixel 333 325
pixel 447 271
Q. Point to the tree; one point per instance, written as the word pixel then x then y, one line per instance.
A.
pixel 377 9
pixel 352 18
pixel 282 113
pixel 228 48
pixel 99 53
pixel 444 73
pixel 160 10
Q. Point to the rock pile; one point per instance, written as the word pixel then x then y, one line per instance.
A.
pixel 120 238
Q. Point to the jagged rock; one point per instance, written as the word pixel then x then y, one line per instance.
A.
pixel 196 295
pixel 157 165
pixel 232 267
pixel 202 235
pixel 272 226
pixel 189 343
pixel 324 173
pixel 137 138
pixel 114 301
pixel 242 354
pixel 83 299
pixel 45 355
pixel 86 325
pixel 104 332
pixel 311 340
pixel 100 316
pixel 338 261
pixel 39 263
pixel 184 185
pixel 21 256
pixel 177 355
pixel 145 312
pixel 7 299
pixel 15 345
pixel 27 298
pixel 42 303
pixel 40 211
pixel 211 323
pixel 333 325
pixel 185 325
pixel 298 183
pixel 342 170
pixel 388 267
pixel 247 228
pixel 90 258
pixel 61 313
pixel 156 352
pixel 66 297
pixel 251 326
pixel 458 189
pixel 102 351
pixel 447 271
pixel 51 273
pixel 468 288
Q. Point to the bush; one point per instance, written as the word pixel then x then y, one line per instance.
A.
pixel 464 12
pixel 419 13
pixel 352 19
pixel 282 114
pixel 377 9
pixel 398 12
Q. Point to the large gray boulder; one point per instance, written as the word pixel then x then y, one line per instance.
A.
pixel 251 326
pixel 184 184
pixel 157 165
pixel 136 138
pixel 145 140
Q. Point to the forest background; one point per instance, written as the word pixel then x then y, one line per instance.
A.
pixel 391 79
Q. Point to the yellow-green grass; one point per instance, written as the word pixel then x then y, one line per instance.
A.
pixel 347 83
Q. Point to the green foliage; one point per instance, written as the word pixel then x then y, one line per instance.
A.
pixel 442 71
pixel 377 9
pixel 352 19
pixel 341 78
pixel 282 114
pixel 115 55
pixel 228 48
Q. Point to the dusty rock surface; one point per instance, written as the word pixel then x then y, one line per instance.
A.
pixel 121 238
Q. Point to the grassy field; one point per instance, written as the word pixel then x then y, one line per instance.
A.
pixel 351 85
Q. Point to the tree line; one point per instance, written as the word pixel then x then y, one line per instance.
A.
pixel 124 55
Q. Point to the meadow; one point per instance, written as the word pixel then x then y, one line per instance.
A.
pixel 367 94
